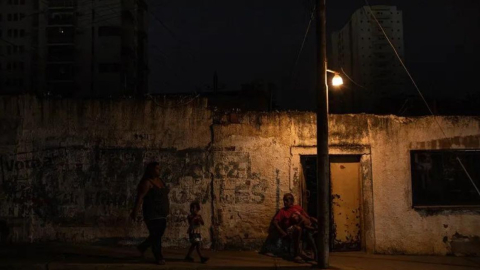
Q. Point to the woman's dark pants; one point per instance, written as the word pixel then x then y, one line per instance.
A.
pixel 156 229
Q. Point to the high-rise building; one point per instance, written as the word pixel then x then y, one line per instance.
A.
pixel 362 51
pixel 15 40
pixel 74 48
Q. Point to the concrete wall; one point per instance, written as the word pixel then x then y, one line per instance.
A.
pixel 70 168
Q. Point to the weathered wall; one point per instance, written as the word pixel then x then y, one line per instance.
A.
pixel 399 228
pixel 273 144
pixel 69 170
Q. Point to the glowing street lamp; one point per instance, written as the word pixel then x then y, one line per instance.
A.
pixel 337 79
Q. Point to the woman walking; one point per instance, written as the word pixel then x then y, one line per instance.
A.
pixel 152 195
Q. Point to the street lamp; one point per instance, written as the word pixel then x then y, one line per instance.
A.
pixel 337 79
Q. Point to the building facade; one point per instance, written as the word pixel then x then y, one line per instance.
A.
pixel 362 51
pixel 79 48
pixel 16 39
pixel 69 169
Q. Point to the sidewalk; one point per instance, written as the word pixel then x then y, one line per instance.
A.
pixel 61 256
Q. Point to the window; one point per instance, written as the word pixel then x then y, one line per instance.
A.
pixel 9 17
pixel 60 72
pixel 15 16
pixel 61 53
pixel 438 179
pixel 109 68
pixel 61 3
pixel 22 33
pixel 105 31
pixel 60 34
pixel 61 18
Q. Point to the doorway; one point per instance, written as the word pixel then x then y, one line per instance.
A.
pixel 345 207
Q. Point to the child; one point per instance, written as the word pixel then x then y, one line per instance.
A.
pixel 300 220
pixel 309 226
pixel 195 221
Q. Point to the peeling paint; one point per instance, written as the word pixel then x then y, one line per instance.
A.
pixel 70 168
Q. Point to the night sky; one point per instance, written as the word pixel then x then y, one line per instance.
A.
pixel 251 40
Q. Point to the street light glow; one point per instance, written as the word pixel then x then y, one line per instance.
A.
pixel 337 80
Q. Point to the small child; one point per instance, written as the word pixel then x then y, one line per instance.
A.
pixel 299 219
pixel 309 226
pixel 195 220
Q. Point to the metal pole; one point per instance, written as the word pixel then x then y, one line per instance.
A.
pixel 92 64
pixel 323 164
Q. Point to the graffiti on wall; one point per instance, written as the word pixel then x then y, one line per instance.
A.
pixel 79 185
pixel 237 184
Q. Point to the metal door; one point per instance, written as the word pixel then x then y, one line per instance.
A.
pixel 345 211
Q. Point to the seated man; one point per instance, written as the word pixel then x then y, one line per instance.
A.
pixel 292 228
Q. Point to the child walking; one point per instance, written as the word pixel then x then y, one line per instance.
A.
pixel 195 220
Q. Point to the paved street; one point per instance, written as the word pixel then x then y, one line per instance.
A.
pixel 56 256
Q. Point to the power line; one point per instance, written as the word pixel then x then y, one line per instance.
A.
pixel 346 75
pixel 294 70
pixel 312 16
pixel 417 88
pixel 107 17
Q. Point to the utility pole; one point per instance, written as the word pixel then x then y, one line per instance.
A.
pixel 215 82
pixel 92 63
pixel 323 164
